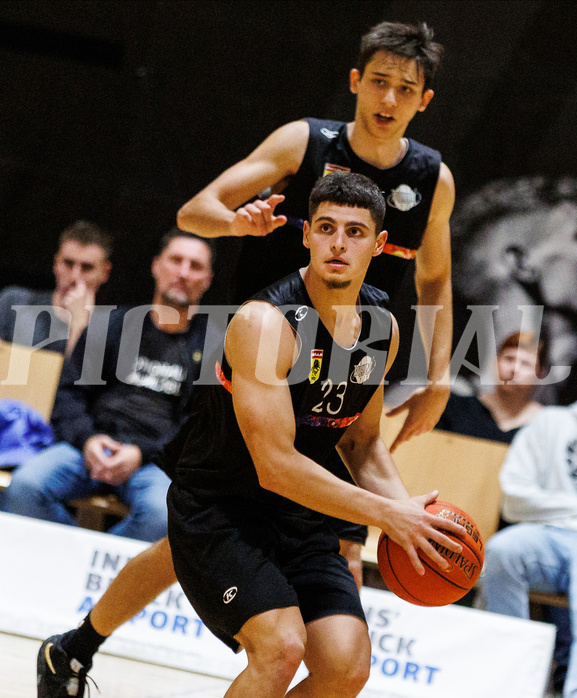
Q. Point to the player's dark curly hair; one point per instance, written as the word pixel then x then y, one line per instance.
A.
pixel 413 42
pixel 349 189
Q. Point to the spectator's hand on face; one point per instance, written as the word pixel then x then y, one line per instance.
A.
pixel 79 301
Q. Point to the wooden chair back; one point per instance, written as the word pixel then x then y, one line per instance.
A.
pixel 29 375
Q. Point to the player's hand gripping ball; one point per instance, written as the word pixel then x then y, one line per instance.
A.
pixel 437 587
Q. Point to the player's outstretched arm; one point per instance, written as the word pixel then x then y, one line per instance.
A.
pixel 215 211
pixel 260 348
pixel 435 314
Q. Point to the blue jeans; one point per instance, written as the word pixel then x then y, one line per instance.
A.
pixel 533 556
pixel 41 487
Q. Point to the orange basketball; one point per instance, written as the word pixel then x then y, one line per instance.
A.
pixel 436 587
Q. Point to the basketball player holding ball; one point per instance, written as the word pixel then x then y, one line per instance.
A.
pixel 251 548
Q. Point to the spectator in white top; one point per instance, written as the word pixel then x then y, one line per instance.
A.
pixel 539 552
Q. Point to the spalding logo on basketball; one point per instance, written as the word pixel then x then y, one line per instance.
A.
pixel 436 587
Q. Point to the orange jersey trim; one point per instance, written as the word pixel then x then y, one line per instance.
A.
pixel 396 251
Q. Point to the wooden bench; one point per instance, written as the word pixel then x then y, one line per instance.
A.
pixel 94 512
pixel 30 376
pixel 5 477
pixel 538 600
pixel 541 599
pixel 91 512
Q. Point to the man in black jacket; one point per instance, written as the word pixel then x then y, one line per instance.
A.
pixel 121 399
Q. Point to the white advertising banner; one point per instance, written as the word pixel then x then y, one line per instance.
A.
pixel 51 575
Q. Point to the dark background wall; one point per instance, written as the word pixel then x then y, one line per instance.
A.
pixel 120 110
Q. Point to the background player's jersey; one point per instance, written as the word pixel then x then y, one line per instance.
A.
pixel 329 386
pixel 408 188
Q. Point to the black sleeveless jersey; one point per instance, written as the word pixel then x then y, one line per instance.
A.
pixel 329 387
pixel 408 188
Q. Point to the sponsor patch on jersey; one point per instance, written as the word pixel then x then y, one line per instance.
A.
pixel 317 420
pixel 229 594
pixel 327 133
pixel 329 167
pixel 316 363
pixel 404 198
pixel 362 371
pixel 301 313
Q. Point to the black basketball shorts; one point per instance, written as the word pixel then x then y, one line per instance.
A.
pixel 234 561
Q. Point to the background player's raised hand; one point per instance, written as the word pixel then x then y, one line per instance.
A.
pixel 257 218
pixel 425 409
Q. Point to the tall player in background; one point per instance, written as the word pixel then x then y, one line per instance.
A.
pixel 252 549
pixel 393 81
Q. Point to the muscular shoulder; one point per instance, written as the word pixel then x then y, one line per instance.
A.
pixel 260 342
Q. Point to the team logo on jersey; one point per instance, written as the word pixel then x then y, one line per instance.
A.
pixel 404 198
pixel 301 313
pixel 197 356
pixel 363 370
pixel 229 594
pixel 329 167
pixel 316 363
pixel 327 133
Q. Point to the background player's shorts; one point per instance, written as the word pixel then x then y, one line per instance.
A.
pixel 235 560
pixel 345 530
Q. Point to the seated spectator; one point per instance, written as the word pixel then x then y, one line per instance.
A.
pixel 52 320
pixel 110 428
pixel 498 414
pixel 539 552
pixel 81 265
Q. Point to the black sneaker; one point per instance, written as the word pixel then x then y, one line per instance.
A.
pixel 58 675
